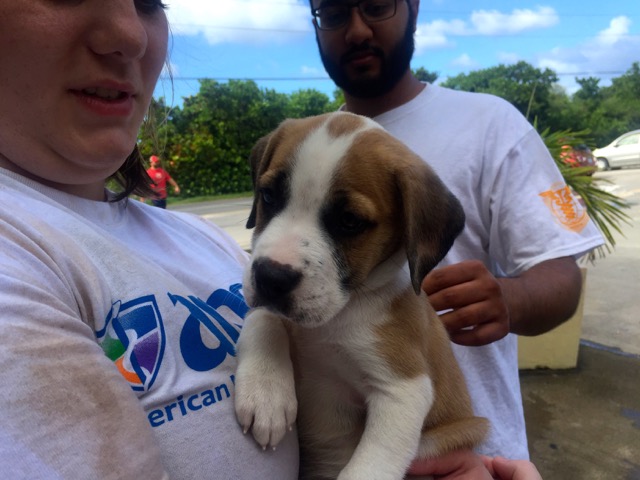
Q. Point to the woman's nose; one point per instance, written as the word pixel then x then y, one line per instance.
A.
pixel 118 30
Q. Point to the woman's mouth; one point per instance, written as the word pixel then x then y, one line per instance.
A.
pixel 104 93
pixel 106 102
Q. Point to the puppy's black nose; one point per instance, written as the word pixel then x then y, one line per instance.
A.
pixel 274 281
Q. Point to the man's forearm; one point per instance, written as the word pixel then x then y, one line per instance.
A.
pixel 542 297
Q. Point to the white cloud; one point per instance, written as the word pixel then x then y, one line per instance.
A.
pixel 618 28
pixel 558 66
pixel 493 22
pixel 465 62
pixel 240 21
pixel 483 23
pixel 606 48
pixel 612 49
pixel 434 34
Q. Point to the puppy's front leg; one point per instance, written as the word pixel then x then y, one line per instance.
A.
pixel 395 415
pixel 265 387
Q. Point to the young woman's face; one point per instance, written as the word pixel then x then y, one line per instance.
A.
pixel 76 80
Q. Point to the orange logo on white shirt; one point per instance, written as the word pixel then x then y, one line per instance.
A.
pixel 566 209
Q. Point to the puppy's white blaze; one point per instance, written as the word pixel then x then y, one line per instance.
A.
pixel 282 238
pixel 316 162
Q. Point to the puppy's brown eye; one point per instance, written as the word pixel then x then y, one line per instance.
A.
pixel 272 201
pixel 351 223
pixel 267 196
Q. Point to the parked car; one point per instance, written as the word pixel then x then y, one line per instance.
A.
pixel 624 151
pixel 578 156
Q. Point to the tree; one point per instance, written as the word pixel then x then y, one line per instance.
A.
pixel 623 98
pixel 425 75
pixel 215 131
pixel 207 141
pixel 306 103
pixel 158 129
pixel 526 87
pixel 610 111
pixel 590 90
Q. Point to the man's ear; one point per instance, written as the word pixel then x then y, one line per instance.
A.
pixel 258 161
pixel 433 218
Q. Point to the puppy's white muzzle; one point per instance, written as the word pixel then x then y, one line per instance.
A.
pixel 295 275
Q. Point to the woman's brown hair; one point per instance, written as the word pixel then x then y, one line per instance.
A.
pixel 132 177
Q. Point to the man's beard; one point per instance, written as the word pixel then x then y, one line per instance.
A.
pixel 392 68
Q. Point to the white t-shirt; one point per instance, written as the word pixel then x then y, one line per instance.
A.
pixel 519 213
pixel 118 323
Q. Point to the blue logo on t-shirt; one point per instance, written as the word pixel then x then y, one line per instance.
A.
pixel 197 355
pixel 133 338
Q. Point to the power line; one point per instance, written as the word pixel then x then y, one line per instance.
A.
pixel 569 14
pixel 307 31
pixel 315 79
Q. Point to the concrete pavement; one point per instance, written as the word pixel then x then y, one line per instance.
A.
pixel 231 215
pixel 584 423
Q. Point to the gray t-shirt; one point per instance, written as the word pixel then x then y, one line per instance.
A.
pixel 118 323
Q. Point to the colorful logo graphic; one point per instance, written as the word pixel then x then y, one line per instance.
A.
pixel 133 338
pixel 566 209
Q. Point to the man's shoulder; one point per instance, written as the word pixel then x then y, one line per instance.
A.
pixel 471 99
pixel 441 105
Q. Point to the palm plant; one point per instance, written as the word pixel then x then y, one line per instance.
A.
pixel 605 209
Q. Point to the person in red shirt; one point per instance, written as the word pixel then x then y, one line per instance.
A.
pixel 160 178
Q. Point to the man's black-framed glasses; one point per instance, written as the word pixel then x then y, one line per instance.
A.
pixel 334 15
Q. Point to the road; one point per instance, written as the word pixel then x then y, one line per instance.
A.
pixel 231 215
pixel 612 301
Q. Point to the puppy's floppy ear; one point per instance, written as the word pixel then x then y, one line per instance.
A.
pixel 433 218
pixel 258 161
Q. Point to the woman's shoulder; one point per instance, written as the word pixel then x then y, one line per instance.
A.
pixel 199 227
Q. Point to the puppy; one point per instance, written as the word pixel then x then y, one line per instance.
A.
pixel 341 336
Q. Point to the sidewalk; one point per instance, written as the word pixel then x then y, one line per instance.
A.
pixel 584 424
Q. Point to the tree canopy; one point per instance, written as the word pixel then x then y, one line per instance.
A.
pixel 206 142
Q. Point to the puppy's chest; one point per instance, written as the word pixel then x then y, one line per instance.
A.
pixel 347 362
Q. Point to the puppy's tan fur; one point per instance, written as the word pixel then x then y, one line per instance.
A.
pixel 339 203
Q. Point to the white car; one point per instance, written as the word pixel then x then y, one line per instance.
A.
pixel 622 152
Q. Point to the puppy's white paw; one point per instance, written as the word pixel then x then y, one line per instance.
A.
pixel 266 403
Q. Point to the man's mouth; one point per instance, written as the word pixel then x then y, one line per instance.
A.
pixel 360 55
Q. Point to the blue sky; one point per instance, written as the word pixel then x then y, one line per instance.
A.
pixel 272 41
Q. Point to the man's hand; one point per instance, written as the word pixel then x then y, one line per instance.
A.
pixel 478 313
pixel 462 465
pixel 504 469
pixel 480 309
pixel 467 465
